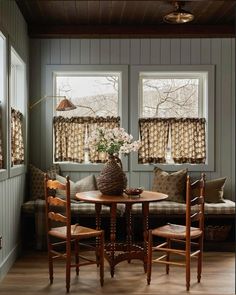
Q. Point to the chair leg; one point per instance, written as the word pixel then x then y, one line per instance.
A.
pixel 199 266
pixel 149 258
pixel 187 270
pixel 168 256
pixel 68 266
pixel 101 258
pixel 77 256
pixel 50 262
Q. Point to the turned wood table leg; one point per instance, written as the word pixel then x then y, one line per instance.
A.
pixel 113 238
pixel 145 209
pixel 98 226
pixel 128 228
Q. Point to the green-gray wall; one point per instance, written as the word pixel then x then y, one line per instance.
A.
pixel 13 25
pixel 218 52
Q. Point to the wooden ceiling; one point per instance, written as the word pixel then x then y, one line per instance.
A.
pixel 125 19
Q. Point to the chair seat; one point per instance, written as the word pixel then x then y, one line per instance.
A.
pixel 176 231
pixel 77 231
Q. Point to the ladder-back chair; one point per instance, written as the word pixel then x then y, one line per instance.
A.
pixel 190 237
pixel 68 234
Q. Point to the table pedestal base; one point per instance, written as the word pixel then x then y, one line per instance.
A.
pixel 123 252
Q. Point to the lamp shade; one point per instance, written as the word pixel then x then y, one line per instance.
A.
pixel 65 105
pixel 178 16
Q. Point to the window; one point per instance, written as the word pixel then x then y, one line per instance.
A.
pixel 3 103
pixel 174 118
pixel 169 95
pixel 18 104
pixel 93 94
pixel 172 95
pixel 100 96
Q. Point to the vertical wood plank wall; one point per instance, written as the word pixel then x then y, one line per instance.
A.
pixel 12 189
pixel 219 52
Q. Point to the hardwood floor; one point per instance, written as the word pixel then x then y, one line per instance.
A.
pixel 29 275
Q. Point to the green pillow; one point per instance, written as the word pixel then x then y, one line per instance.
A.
pixel 214 190
pixel 85 184
pixel 172 184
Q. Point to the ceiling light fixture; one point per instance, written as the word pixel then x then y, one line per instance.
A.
pixel 178 16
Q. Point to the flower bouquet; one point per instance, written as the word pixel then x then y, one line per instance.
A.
pixel 112 180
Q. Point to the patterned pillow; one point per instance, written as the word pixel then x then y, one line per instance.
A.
pixel 53 171
pixel 85 184
pixel 36 183
pixel 172 184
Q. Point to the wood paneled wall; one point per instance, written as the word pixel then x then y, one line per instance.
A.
pixel 219 52
pixel 12 190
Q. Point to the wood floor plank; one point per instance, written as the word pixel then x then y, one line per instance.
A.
pixel 29 275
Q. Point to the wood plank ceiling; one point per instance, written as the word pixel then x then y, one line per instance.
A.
pixel 125 19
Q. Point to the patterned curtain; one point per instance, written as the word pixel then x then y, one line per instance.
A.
pixel 154 139
pixel 188 144
pixel 95 122
pixel 1 150
pixel 17 140
pixel 71 135
pixel 69 139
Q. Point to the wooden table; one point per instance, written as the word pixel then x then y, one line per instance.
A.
pixel 117 252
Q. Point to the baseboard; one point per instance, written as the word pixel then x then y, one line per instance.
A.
pixel 9 261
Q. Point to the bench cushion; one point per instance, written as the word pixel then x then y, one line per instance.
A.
pixel 175 208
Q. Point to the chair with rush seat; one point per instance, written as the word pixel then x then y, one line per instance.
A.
pixel 190 237
pixel 59 210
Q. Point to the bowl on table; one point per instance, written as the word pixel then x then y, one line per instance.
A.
pixel 133 191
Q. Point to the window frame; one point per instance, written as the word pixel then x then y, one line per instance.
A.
pixel 48 106
pixel 208 107
pixel 21 168
pixel 4 103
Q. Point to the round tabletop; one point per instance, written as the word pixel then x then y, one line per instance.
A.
pixel 98 197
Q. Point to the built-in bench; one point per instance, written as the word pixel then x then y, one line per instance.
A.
pixel 218 216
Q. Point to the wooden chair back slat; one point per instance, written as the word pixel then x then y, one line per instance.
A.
pixel 55 201
pixel 57 217
pixel 196 216
pixel 54 184
pixel 195 184
pixel 197 201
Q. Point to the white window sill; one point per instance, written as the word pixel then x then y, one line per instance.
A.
pixel 3 174
pixel 87 167
pixel 17 170
pixel 170 167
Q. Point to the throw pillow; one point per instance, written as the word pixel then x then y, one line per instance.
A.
pixel 214 190
pixel 85 184
pixel 36 183
pixel 36 180
pixel 172 184
pixel 53 171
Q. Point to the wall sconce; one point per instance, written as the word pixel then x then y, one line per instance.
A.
pixel 64 105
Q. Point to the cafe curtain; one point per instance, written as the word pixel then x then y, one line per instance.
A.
pixel 71 135
pixel 17 140
pixel 154 139
pixel 188 142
